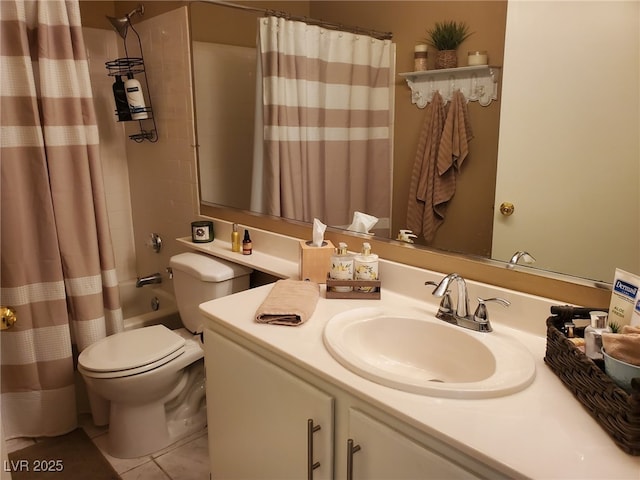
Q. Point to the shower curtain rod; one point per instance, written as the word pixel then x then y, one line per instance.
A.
pixel 311 21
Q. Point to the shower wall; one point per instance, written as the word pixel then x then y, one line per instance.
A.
pixel 102 45
pixel 151 187
pixel 163 175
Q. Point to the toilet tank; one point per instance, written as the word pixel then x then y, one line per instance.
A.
pixel 198 278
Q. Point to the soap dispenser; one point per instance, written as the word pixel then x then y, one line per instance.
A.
pixel 366 266
pixel 593 334
pixel 341 267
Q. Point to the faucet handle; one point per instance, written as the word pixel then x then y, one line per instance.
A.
pixel 481 314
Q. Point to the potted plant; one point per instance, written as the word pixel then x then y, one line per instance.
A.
pixel 446 37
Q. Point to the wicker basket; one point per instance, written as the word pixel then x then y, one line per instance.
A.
pixel 617 412
pixel 446 59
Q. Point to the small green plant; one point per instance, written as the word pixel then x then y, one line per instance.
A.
pixel 615 327
pixel 448 35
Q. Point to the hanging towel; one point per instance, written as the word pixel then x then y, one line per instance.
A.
pixel 453 149
pixel 290 302
pixel 420 213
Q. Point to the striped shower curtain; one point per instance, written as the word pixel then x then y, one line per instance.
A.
pixel 327 122
pixel 57 264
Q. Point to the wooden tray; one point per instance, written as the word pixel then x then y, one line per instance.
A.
pixel 355 294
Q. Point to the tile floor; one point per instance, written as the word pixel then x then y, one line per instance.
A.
pixel 187 459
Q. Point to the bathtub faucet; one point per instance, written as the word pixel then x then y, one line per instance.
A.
pixel 148 280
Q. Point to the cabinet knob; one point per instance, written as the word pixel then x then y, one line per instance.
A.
pixel 351 449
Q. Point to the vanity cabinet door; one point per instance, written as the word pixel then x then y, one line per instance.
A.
pixel 262 419
pixel 377 451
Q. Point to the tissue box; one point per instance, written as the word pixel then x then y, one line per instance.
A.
pixel 314 261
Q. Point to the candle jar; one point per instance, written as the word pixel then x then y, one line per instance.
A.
pixel 420 58
pixel 478 57
pixel 202 231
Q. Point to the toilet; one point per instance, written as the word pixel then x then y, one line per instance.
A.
pixel 153 377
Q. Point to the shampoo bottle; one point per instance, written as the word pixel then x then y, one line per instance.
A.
pixel 135 98
pixel 593 335
pixel 366 266
pixel 235 239
pixel 120 98
pixel 341 267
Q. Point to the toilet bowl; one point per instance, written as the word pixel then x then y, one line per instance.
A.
pixel 153 377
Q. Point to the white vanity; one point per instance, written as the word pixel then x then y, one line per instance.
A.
pixel 281 406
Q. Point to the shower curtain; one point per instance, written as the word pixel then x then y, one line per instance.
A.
pixel 57 264
pixel 327 122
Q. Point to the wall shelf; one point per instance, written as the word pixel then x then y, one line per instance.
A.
pixel 477 83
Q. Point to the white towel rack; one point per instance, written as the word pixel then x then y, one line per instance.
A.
pixel 477 83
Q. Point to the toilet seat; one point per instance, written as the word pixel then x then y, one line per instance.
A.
pixel 131 352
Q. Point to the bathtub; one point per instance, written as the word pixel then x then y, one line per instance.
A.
pixel 148 305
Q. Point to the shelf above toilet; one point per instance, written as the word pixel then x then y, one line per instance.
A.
pixel 257 260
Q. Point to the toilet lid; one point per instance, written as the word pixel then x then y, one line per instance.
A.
pixel 140 349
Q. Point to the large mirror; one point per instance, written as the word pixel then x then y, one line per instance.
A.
pixel 503 149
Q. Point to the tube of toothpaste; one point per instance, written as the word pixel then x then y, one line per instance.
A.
pixel 624 298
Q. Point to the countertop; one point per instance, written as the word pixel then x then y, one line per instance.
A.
pixel 540 432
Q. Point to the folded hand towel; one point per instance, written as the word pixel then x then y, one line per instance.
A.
pixel 290 302
pixel 624 346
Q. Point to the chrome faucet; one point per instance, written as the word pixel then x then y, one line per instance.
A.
pixel 462 305
pixel 526 257
pixel 478 321
pixel 148 280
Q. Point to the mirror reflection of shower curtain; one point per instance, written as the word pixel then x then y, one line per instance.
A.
pixel 327 122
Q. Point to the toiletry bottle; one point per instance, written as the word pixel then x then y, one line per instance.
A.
pixel 341 267
pixel 235 239
pixel 135 98
pixel 593 334
pixel 247 246
pixel 120 97
pixel 635 317
pixel 366 266
pixel 624 296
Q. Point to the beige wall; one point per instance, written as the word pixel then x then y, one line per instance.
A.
pixel 231 26
pixel 93 13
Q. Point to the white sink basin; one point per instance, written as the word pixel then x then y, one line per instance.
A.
pixel 428 356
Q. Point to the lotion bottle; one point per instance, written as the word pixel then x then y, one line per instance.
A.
pixel 235 239
pixel 341 267
pixel 593 334
pixel 135 98
pixel 366 266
